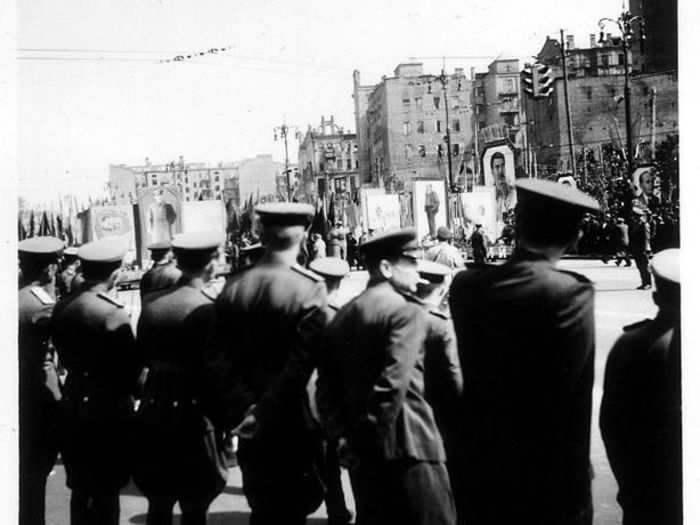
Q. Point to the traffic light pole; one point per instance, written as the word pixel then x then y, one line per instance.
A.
pixel 443 79
pixel 568 108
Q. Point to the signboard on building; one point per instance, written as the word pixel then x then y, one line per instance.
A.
pixel 430 206
pixel 114 221
pixel 160 213
pixel 479 207
pixel 204 215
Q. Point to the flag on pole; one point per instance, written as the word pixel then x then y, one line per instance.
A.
pixel 32 226
pixel 21 231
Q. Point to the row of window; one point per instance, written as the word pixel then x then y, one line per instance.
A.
pixel 420 127
pixel 436 102
pixel 339 164
pixel 440 150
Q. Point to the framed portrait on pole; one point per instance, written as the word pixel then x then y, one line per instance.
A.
pixel 430 206
pixel 160 214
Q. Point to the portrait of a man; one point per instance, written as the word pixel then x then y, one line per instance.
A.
pixel 161 218
pixel 432 207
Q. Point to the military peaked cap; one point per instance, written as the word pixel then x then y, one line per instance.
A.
pixel 198 241
pixel 40 246
pixel 109 250
pixel 403 241
pixel 444 234
pixel 666 267
pixel 545 192
pixel 433 272
pixel 330 267
pixel 285 213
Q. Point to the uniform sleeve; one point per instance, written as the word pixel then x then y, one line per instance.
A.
pixel 406 335
pixel 123 347
pixel 329 393
pixel 227 395
pixel 302 358
pixel 443 370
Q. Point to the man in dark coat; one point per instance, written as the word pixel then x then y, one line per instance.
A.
pixel 640 415
pixel 268 324
pixel 171 460
pixel 333 270
pixel 71 263
pixel 443 374
pixel 478 242
pixel 39 390
pixel 163 273
pixel 432 207
pixel 95 343
pixel 371 393
pixel 526 345
pixel 640 246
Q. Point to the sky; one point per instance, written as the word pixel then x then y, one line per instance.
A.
pixel 103 96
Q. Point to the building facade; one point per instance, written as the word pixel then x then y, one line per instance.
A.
pixel 198 180
pixel 596 98
pixel 406 121
pixel 328 161
pixel 497 98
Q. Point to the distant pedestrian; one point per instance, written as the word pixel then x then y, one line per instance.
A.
pixel 371 393
pixel 319 246
pixel 337 242
pixel 640 246
pixel 621 242
pixel 444 251
pixel 640 415
pixel 525 334
pixel 478 242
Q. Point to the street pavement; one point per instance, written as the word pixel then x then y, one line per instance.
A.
pixel 617 304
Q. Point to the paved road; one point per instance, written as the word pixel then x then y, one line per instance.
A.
pixel 617 304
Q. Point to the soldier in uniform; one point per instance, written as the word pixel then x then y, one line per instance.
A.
pixel 640 415
pixel 71 263
pixel 251 254
pixel 371 393
pixel 171 460
pixel 95 343
pixel 163 273
pixel 333 270
pixel 269 319
pixel 525 336
pixel 443 375
pixel 478 242
pixel 444 252
pixel 39 390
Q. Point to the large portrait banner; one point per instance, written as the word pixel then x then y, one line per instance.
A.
pixel 113 221
pixel 479 207
pixel 160 212
pixel 430 209
pixel 499 173
pixel 383 212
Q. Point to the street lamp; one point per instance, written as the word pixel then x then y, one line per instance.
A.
pixel 443 80
pixel 625 24
pixel 283 131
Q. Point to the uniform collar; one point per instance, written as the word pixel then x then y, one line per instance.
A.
pixel 523 254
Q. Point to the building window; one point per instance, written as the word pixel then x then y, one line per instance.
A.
pixel 406 128
pixel 430 87
pixel 357 164
pixel 438 126
pixel 408 151
pixel 455 125
pixel 605 60
pixel 339 164
pixel 419 102
pixel 455 150
pixel 439 150
pixel 621 59
pixel 216 178
pixel 420 126
pixel 421 150
pixel 218 188
pixel 187 190
pixel 348 164
pixel 340 185
pixel 406 102
pixel 589 92
pixel 436 102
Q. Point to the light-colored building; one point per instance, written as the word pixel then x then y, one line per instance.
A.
pixel 258 176
pixel 406 125
pixel 328 161
pixel 196 180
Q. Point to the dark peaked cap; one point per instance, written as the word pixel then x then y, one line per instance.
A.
pixel 537 192
pixel 285 213
pixel 403 241
pixel 433 272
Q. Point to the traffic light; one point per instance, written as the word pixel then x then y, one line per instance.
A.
pixel 544 80
pixel 528 80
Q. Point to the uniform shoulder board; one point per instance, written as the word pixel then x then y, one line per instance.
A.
pixel 307 273
pixel 42 295
pixel 639 324
pixel 111 300
pixel 580 278
pixel 438 313
pixel 213 289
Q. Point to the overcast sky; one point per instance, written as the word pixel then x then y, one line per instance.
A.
pixel 289 60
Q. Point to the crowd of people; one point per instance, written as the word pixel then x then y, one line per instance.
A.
pixel 451 395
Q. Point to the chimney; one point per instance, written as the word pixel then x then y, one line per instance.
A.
pixel 570 42
pixel 593 40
